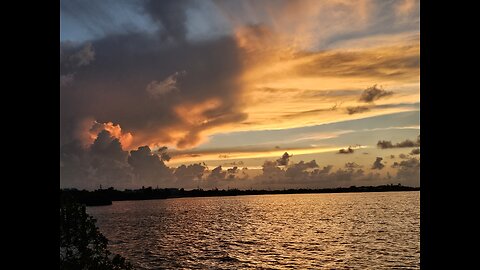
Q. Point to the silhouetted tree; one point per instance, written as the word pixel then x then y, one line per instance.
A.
pixel 82 246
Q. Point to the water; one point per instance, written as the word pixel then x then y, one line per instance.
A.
pixel 301 231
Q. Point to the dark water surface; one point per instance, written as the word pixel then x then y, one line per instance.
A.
pixel 301 231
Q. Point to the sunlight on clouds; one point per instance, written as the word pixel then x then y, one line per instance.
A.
pixel 188 158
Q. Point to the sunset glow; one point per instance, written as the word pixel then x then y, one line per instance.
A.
pixel 238 80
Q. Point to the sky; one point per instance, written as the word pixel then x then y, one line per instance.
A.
pixel 239 94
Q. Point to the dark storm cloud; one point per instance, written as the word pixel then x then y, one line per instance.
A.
pixel 373 93
pixel 113 88
pixel 103 162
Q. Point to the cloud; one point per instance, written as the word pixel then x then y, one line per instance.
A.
pixel 357 109
pixel 66 79
pixel 233 170
pixel 84 56
pixel 349 150
pixel 298 170
pixel 234 163
pixel 132 65
pixel 72 58
pixel 387 62
pixel 373 93
pixel 76 55
pixel 109 90
pixel 189 176
pixel 148 167
pixel 415 151
pixel 283 161
pixel 352 165
pixel 300 21
pixel 271 171
pixel 406 143
pixel 101 163
pixel 217 174
pixel 308 174
pixel 408 171
pixel 169 84
pixel 378 165
pixel 170 15
pixel 114 130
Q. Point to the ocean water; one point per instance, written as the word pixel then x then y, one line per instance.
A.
pixel 301 231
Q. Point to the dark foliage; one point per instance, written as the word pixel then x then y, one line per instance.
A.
pixel 82 246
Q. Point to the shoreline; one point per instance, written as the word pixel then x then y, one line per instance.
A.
pixel 103 197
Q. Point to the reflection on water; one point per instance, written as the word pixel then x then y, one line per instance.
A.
pixel 302 231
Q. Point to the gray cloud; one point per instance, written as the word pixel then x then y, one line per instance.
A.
pixel 110 90
pixel 148 167
pixel 298 170
pixel 408 171
pixel 72 58
pixel 283 160
pixel 74 55
pixel 373 93
pixel 189 176
pixel 234 163
pixel 103 162
pixel 233 170
pixel 349 150
pixel 164 87
pixel 66 79
pixel 415 151
pixel 352 165
pixel 357 109
pixel 307 174
pixel 378 165
pixel 406 143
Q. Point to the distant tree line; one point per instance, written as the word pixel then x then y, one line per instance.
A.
pixel 106 196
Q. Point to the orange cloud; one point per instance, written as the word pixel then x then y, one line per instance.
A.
pixel 114 130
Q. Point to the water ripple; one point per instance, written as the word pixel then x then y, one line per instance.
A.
pixel 304 231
